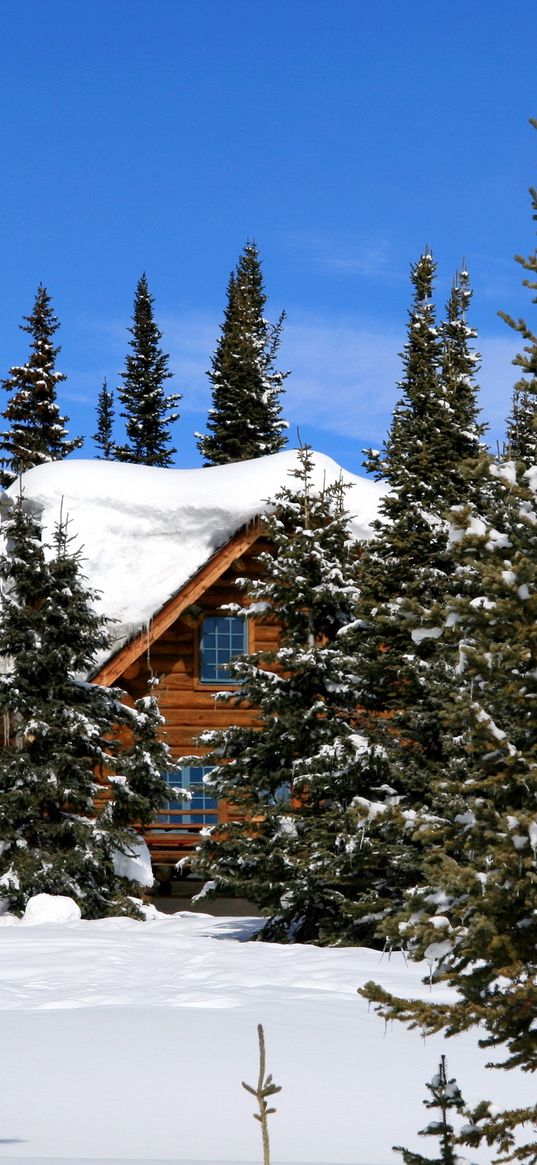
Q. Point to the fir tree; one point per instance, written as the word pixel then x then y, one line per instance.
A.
pixel 37 432
pixel 434 431
pixel 148 411
pixel 59 829
pixel 474 915
pixel 522 421
pixel 406 571
pixel 245 420
pixel 301 778
pixel 445 1096
pixel 406 568
pixel 105 422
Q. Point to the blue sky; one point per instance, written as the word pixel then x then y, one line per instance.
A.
pixel 158 135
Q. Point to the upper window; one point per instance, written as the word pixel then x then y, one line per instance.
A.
pixel 222 638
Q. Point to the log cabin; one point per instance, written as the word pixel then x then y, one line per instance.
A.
pixel 187 647
pixel 164 548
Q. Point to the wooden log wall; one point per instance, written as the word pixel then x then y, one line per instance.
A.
pixel 188 705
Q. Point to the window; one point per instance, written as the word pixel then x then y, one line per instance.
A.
pixel 222 638
pixel 189 778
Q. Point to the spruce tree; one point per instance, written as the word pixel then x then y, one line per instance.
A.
pixel 445 1097
pixel 245 420
pixel 522 421
pixel 406 568
pixel 65 773
pixel 434 432
pixel 474 914
pixel 301 779
pixel 430 461
pixel 147 410
pixel 36 430
pixel 103 437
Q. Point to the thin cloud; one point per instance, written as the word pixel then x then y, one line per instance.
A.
pixel 371 258
pixel 344 377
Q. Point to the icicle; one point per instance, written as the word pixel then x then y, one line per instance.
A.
pixel 149 624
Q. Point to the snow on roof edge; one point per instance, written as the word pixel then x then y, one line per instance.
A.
pixel 144 531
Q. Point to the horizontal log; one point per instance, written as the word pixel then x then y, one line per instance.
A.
pixel 200 718
pixel 194 698
pixel 169 657
pixel 179 633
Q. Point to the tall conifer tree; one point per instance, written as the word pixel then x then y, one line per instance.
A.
pixel 408 563
pixel 474 915
pixel 37 431
pixel 245 420
pixel 59 833
pixel 301 777
pixel 430 462
pixel 148 411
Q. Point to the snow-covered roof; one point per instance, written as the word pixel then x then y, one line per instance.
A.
pixel 145 531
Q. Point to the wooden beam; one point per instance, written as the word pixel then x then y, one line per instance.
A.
pixel 173 608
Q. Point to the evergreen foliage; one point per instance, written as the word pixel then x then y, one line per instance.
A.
pixel 445 1096
pixel 434 434
pixel 103 437
pixel 474 917
pixel 301 778
pixel 58 830
pixel 148 410
pixel 37 432
pixel 434 431
pixel 245 420
pixel 406 571
pixel 522 421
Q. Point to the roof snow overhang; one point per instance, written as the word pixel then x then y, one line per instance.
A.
pixel 115 666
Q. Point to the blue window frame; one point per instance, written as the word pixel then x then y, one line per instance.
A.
pixel 222 638
pixel 189 778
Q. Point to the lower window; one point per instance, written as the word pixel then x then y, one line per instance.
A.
pixel 189 778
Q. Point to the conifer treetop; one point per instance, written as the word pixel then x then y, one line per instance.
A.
pixel 245 419
pixel 147 410
pixel 433 435
pixel 103 436
pixel 37 431
pixel 445 1096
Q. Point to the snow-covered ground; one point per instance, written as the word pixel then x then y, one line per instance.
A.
pixel 128 1041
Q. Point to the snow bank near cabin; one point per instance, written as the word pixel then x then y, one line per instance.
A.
pixel 144 531
pixel 46 908
pixel 128 1041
